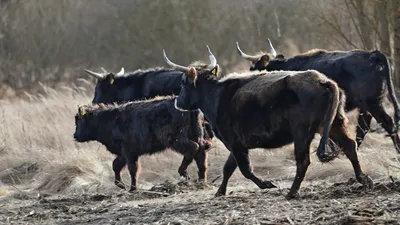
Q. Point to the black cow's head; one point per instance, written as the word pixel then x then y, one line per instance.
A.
pixel 83 125
pixel 189 96
pixel 261 61
pixel 201 66
pixel 106 91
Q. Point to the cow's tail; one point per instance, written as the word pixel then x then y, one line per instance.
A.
pixel 392 94
pixel 334 103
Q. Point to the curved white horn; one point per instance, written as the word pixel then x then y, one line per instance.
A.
pixel 175 66
pixel 94 74
pixel 252 58
pixel 121 72
pixel 272 49
pixel 213 60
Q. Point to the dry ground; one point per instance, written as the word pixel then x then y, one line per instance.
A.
pixel 47 178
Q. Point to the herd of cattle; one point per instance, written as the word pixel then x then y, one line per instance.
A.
pixel 278 102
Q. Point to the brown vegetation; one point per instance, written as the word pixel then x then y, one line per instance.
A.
pixel 51 42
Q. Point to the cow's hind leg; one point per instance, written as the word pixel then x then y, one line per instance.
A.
pixel 363 126
pixel 302 141
pixel 118 164
pixel 134 168
pixel 241 155
pixel 380 115
pixel 339 134
pixel 229 168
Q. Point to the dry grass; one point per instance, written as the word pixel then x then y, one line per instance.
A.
pixel 37 151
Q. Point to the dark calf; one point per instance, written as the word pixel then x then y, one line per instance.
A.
pixel 143 127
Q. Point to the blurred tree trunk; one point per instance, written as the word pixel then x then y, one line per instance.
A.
pixel 396 40
pixel 364 25
pixel 382 14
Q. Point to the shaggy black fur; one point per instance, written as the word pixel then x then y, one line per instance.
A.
pixel 365 76
pixel 270 110
pixel 145 84
pixel 143 127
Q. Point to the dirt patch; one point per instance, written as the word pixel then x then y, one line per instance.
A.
pixel 167 203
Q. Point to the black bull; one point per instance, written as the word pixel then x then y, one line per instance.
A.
pixel 269 110
pixel 363 75
pixel 138 85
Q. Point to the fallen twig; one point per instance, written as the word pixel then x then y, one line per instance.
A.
pixel 216 179
pixel 290 220
pixel 395 166
pixel 154 192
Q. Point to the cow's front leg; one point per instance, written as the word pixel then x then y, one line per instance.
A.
pixel 241 155
pixel 201 161
pixel 188 149
pixel 118 164
pixel 229 168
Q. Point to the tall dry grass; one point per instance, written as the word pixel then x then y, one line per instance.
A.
pixel 37 152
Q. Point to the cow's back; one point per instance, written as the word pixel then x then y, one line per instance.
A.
pixel 262 107
pixel 154 124
pixel 161 83
pixel 340 66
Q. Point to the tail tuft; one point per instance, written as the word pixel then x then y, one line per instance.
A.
pixel 392 94
pixel 327 152
pixel 334 103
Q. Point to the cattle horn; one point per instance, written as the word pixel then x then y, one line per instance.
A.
pixel 272 49
pixel 245 56
pixel 121 72
pixel 175 66
pixel 213 60
pixel 94 74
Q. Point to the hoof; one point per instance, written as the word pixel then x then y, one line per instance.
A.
pixel 184 179
pixel 201 181
pixel 119 184
pixel 267 184
pixel 291 196
pixel 133 189
pixel 366 181
pixel 220 193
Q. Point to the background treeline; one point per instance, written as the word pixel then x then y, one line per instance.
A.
pixel 50 42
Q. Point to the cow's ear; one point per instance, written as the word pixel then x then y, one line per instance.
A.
pixel 82 111
pixel 265 60
pixel 192 75
pixel 110 77
pixel 214 71
pixel 280 57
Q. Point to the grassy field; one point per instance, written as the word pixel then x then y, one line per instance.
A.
pixel 38 157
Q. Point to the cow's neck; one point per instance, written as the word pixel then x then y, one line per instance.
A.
pixel 280 65
pixel 209 103
pixel 105 126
